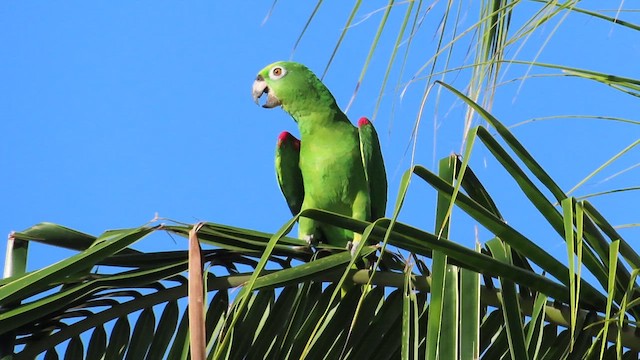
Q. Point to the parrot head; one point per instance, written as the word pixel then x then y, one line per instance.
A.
pixel 290 85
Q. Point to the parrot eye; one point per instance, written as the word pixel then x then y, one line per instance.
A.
pixel 277 72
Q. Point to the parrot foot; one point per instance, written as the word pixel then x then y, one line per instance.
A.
pixel 311 243
pixel 310 239
pixel 352 247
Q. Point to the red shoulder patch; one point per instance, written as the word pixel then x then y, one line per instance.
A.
pixel 363 121
pixel 282 137
pixel 286 136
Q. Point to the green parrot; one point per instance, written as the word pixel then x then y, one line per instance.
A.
pixel 335 166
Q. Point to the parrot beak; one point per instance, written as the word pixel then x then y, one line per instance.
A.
pixel 260 87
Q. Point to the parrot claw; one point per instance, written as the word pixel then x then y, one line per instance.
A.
pixel 310 243
pixel 352 248
pixel 310 239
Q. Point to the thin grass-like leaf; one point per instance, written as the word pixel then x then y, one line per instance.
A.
pixel 475 190
pixel 414 26
pixel 492 28
pixel 614 20
pixel 142 336
pixel 330 337
pixel 269 338
pixel 579 211
pixel 368 310
pixel 215 319
pixel 119 339
pixel 97 344
pixel 310 307
pixel 593 117
pixel 511 304
pixel 608 192
pixel 623 308
pixel 567 207
pixel 625 248
pixel 268 16
pixel 439 271
pixel 449 337
pixel 180 345
pixel 388 316
pixel 257 311
pixel 392 57
pixel 306 26
pixel 535 333
pixel 352 15
pixel 51 354
pixel 75 349
pixel 374 44
pixel 497 345
pixel 406 317
pixel 164 331
pixel 469 313
pixel 601 167
pixel 584 338
pixel 624 84
pixel 611 289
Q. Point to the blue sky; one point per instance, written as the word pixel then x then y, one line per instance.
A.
pixel 111 114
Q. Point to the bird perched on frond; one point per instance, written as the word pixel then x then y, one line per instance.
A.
pixel 335 166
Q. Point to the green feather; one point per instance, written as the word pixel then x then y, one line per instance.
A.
pixel 288 171
pixel 374 167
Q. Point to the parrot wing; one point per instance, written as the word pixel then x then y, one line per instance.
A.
pixel 373 167
pixel 288 171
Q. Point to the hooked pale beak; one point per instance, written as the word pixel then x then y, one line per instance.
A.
pixel 260 87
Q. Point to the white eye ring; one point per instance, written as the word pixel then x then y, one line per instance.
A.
pixel 277 72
